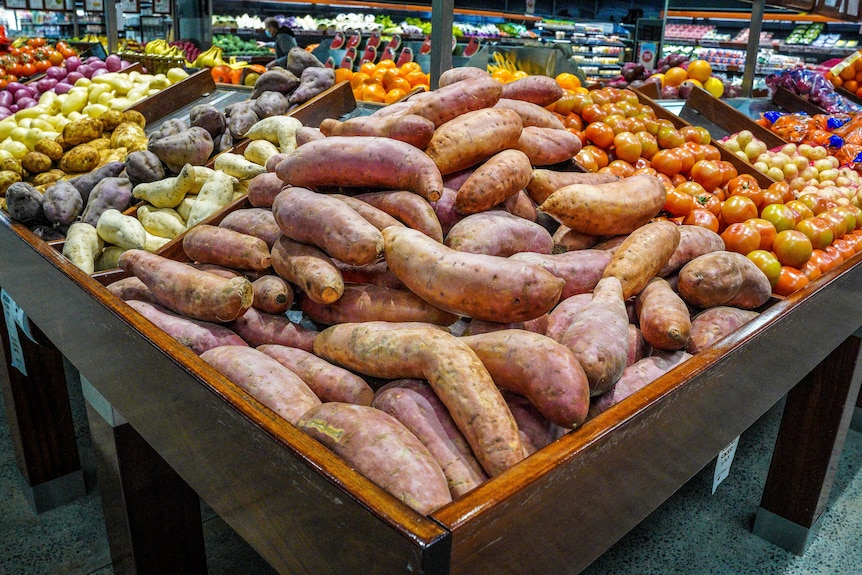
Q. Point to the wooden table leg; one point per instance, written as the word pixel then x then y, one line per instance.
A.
pixel 36 398
pixel 813 428
pixel 152 517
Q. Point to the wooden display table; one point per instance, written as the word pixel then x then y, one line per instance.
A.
pixel 304 510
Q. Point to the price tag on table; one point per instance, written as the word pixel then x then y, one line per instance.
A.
pixel 11 312
pixel 722 463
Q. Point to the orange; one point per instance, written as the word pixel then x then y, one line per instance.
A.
pixel 408 67
pixel 343 74
pixel 358 79
pixel 417 78
pixel 675 76
pixel 503 76
pixel 394 95
pixel 368 68
pixel 373 93
pixel 851 85
pixel 699 70
pixel 388 63
pixel 357 92
pixel 568 81
pixel 848 73
pixel 518 74
pixel 398 83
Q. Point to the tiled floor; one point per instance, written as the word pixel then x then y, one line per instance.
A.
pixel 694 533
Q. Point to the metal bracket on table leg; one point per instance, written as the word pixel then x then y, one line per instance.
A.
pixel 783 532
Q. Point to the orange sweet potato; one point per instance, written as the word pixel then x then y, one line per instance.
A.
pixel 447 102
pixel 368 302
pixel 131 288
pixel 362 161
pixel 693 241
pixel 193 293
pixel 415 404
pixel 377 273
pixel 409 209
pixel 607 209
pixel 535 429
pixel 222 246
pixel 638 347
pixel 257 222
pixel 473 285
pixel 308 268
pixel 473 137
pixel 557 385
pixel 710 325
pixel 374 216
pixel 263 378
pixel 537 88
pixel 263 188
pixel 547 146
pixel 458 377
pixel 444 209
pixel 260 328
pixel 197 335
pixel 567 240
pixel 532 114
pixel 499 177
pixel 598 336
pixel 544 182
pixel 328 382
pixel 564 313
pixel 328 223
pixel 723 279
pixel 272 294
pixel 382 449
pixel 663 317
pixel 642 254
pixel 581 270
pixel 519 204
pixel 498 233
pixel 410 128
pixel 459 73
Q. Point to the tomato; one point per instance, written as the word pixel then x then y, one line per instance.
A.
pixel 690 133
pixel 822 260
pixel 709 202
pixel 738 209
pixel 587 161
pixel 802 211
pixel 691 188
pixel 789 280
pixel 816 202
pixel 669 137
pixel 792 248
pixel 611 109
pixel 666 162
pixel 811 270
pixel 678 203
pixel 686 157
pixel 784 188
pixel 728 169
pixel 707 173
pixel 702 217
pixel 741 182
pixel 782 217
pixel 621 168
pixel 636 125
pixel 818 230
pixel 593 113
pixel 740 238
pixel 566 104
pixel 765 229
pixel 627 147
pixel 578 102
pixel 836 222
pixel 695 149
pixel 599 134
pixel 857 213
pixel 849 216
pixel 710 152
pixel 572 120
pixel 28 69
pixel 767 263
pixel 617 123
pixel 649 145
pixel 845 248
pixel 649 171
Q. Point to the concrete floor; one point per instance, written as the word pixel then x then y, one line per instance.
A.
pixel 693 533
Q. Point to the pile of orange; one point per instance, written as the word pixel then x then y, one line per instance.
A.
pixel 849 78
pixel 383 82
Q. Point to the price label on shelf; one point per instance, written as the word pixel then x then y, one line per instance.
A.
pixel 15 318
pixel 722 463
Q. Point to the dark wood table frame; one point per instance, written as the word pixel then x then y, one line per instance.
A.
pixel 306 511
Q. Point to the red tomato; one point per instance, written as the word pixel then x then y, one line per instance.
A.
pixel 622 168
pixel 600 134
pixel 593 113
pixel 801 209
pixel 599 154
pixel 818 231
pixel 816 202
pixel 741 182
pixel 627 147
pixel 836 221
pixel 822 260
pixel 845 248
pixel 669 137
pixel 649 145
pixel 710 152
pixel 707 173
pixel 710 202
pixel 687 157
pixel 789 280
pixel 587 160
pixel 702 217
pixel 765 229
pixel 740 238
pixel 666 162
pixel 738 209
pixel 678 203
pixel 792 248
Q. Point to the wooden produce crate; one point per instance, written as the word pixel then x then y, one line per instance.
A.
pixel 721 119
pixel 306 511
pixel 742 166
pixel 175 96
pixel 790 102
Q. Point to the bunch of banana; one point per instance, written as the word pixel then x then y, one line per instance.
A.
pixel 503 62
pixel 130 45
pixel 209 58
pixel 20 41
pixel 232 62
pixel 158 47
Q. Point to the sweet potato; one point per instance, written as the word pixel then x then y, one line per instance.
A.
pixel 199 336
pixel 270 103
pixel 328 223
pixel 209 118
pixel 710 325
pixel 598 336
pixel 87 182
pixel 190 292
pixel 636 377
pixel 110 193
pixel 193 146
pixel 263 378
pixel 167 192
pixel 547 146
pixel 304 134
pixel 532 114
pixel 215 195
pixel 130 288
pixel 309 268
pixel 567 240
pixel 499 177
pixel 519 204
pixel 410 128
pixel 272 294
pixel 263 188
pixel 259 151
pixel 642 254
pixel 537 88
pixel 693 241
pixel 328 382
pixel 257 222
pixel 277 80
pixel 82 246
pixel 638 347
pixel 62 203
pixel 116 228
pixel 257 327
pixel 581 270
pixel 663 317
pixel 414 350
pixel 362 161
pixel 535 429
pixel 382 449
pixel 225 247
pixel 607 209
pixel 723 279
pixel 498 233
pixel 557 385
pixel 495 289
pixel 444 209
pixel 415 404
pixel 459 73
pixel 409 209
pixel 237 166
pixel 448 102
pixel 471 138
pixel 241 120
pixel 377 273
pixel 374 216
pixel 561 317
pixel 312 82
pixel 369 302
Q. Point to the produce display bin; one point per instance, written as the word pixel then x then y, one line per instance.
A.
pixel 790 102
pixel 175 96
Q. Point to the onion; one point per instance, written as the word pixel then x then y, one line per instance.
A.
pixel 5 112
pixel 85 70
pixel 124 64
pixel 13 87
pixel 24 103
pixel 73 77
pixel 62 87
pixel 113 63
pixel 13 108
pixel 72 63
pixel 56 72
pixel 97 64
pixel 46 84
pixel 21 95
pixel 98 72
pixel 6 98
pixel 92 59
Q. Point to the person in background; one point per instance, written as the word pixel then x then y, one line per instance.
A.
pixel 284 40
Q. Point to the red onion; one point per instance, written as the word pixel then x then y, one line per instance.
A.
pixel 5 112
pixel 56 72
pixel 13 87
pixel 62 88
pixel 85 70
pixel 72 63
pixel 124 64
pixel 25 103
pixel 46 84
pixel 98 72
pixel 73 77
pixel 6 98
pixel 113 63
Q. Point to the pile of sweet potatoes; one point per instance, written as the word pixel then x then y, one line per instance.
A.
pixel 414 299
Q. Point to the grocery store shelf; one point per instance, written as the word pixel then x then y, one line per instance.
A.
pixel 412 8
pixel 747 16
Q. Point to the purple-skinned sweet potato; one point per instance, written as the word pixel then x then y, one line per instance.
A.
pixel 193 146
pixel 110 193
pixel 199 336
pixel 312 82
pixel 275 80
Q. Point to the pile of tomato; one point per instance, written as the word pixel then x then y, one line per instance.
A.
pixel 35 57
pixel 793 240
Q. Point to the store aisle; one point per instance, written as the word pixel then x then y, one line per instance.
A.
pixel 694 533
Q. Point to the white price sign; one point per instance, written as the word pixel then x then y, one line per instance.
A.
pixel 722 463
pixel 14 318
